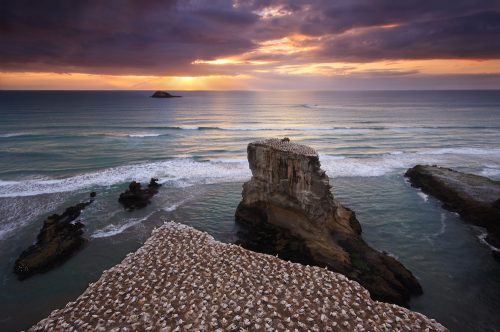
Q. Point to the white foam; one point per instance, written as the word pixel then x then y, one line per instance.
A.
pixel 174 206
pixel 490 171
pixel 7 135
pixel 18 213
pixel 143 135
pixel 424 196
pixel 325 157
pixel 178 172
pixel 463 151
pixel 379 165
pixel 183 172
pixel 482 238
pixel 112 230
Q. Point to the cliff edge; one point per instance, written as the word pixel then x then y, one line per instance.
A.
pixel 288 209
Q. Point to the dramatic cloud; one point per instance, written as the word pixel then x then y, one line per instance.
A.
pixel 246 38
pixel 133 37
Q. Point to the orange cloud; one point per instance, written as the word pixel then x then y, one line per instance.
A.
pixel 258 71
pixel 421 67
pixel 79 81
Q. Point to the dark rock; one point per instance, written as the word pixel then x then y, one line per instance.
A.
pixel 288 210
pixel 136 197
pixel 163 94
pixel 153 183
pixel 475 198
pixel 58 239
pixel 92 194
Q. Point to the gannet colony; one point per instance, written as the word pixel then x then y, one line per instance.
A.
pixel 184 280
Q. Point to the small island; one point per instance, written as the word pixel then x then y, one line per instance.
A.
pixel 163 94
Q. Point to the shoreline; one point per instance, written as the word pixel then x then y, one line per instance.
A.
pixel 182 277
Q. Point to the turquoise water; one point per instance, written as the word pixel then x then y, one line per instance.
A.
pixel 56 147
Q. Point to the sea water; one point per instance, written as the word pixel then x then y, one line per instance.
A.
pixel 57 147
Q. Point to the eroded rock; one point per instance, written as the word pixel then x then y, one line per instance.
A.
pixel 288 201
pixel 58 239
pixel 475 198
pixel 137 197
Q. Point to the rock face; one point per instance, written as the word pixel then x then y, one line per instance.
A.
pixel 59 238
pixel 163 94
pixel 288 201
pixel 136 197
pixel 475 198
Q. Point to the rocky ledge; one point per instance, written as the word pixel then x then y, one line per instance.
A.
pixel 136 197
pixel 184 280
pixel 288 210
pixel 163 94
pixel 475 198
pixel 58 239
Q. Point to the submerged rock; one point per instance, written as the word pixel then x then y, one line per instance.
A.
pixel 136 197
pixel 58 239
pixel 288 209
pixel 475 198
pixel 163 94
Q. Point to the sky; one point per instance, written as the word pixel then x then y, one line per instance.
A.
pixel 250 45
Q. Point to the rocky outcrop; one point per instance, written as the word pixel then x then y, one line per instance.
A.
pixel 475 198
pixel 163 94
pixel 136 197
pixel 288 209
pixel 59 237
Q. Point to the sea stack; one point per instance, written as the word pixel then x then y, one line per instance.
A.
pixel 476 198
pixel 288 209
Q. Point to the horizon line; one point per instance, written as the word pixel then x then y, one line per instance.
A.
pixel 248 90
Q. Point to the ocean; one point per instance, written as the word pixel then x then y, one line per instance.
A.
pixel 58 146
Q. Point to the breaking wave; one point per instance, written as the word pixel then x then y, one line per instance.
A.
pixel 177 172
pixel 184 172
pixel 19 134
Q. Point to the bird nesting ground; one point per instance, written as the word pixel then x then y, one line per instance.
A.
pixel 287 146
pixel 184 280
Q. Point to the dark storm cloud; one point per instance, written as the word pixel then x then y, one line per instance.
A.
pixel 476 36
pixel 139 37
pixel 165 37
